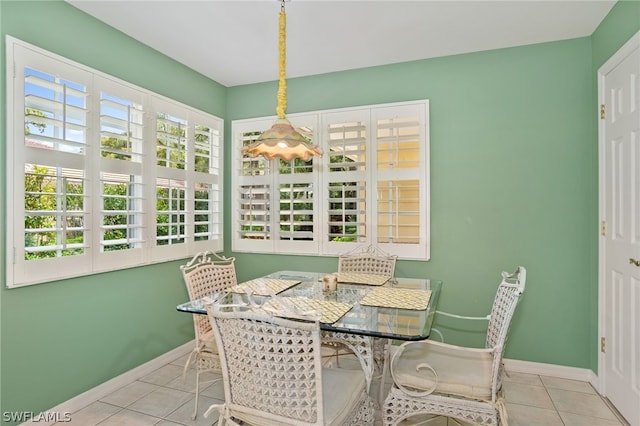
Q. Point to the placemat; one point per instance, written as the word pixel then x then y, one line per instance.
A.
pixel 259 286
pixel 359 278
pixel 401 298
pixel 331 311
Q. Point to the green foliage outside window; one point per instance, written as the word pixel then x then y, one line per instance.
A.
pixel 49 199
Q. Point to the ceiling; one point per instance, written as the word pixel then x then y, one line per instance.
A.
pixel 236 42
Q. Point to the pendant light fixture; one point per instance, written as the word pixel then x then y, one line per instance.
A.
pixel 282 140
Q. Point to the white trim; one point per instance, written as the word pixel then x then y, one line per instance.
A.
pixel 615 59
pixel 552 370
pixel 94 394
pixel 629 46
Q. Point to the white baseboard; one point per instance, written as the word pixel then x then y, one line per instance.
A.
pixel 540 369
pixel 78 402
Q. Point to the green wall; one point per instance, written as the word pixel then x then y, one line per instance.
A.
pixel 514 181
pixel 622 22
pixel 513 176
pixel 61 339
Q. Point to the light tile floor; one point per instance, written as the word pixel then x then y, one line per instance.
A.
pixel 163 399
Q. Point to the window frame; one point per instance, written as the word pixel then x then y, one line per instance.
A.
pixel 144 249
pixel 317 123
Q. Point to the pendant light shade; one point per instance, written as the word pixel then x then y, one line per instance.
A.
pixel 282 140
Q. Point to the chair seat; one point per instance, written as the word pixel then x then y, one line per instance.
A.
pixel 341 391
pixel 209 342
pixel 464 372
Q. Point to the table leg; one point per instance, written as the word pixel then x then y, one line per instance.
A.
pixel 385 369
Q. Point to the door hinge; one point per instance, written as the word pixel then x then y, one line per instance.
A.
pixel 603 228
pixel 603 344
pixel 603 112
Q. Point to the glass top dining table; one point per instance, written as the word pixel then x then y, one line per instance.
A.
pixel 409 324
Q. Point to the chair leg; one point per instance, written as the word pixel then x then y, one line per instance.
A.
pixel 195 410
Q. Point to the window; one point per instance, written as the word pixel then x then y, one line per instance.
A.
pixel 102 174
pixel 371 185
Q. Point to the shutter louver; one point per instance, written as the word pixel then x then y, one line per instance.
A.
pixel 347 142
pixel 347 212
pixel 170 211
pixel 55 113
pixel 54 212
pixel 254 212
pixel 172 141
pixel 121 214
pixel 121 124
pixel 296 212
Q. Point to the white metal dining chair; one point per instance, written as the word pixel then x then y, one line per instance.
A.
pixel 370 351
pixel 431 377
pixel 368 260
pixel 273 374
pixel 206 273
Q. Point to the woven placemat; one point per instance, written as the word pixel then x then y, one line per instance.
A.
pixel 259 286
pixel 359 278
pixel 331 311
pixel 401 298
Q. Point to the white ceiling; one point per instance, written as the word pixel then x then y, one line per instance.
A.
pixel 236 42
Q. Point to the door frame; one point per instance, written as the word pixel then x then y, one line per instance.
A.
pixel 610 64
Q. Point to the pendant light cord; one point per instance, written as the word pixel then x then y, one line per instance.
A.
pixel 282 48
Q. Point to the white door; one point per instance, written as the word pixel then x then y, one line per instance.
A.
pixel 619 258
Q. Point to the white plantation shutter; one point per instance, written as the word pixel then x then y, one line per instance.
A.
pixel 347 212
pixel 252 196
pixel 346 179
pixel 121 126
pixel 56 110
pixel 296 211
pixel 55 211
pixel 171 141
pixel 254 205
pixel 298 203
pixel 205 211
pixel 401 199
pixel 171 181
pixel 121 220
pixel 369 187
pixel 121 211
pixel 276 204
pixel 47 158
pixel 103 174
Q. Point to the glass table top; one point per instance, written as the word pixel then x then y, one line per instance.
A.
pixel 387 322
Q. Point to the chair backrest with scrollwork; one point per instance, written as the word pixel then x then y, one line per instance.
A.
pixel 368 260
pixel 207 273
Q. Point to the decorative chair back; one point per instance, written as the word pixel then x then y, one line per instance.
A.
pixel 205 274
pixel 271 367
pixel 464 383
pixel 368 260
pixel 504 306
